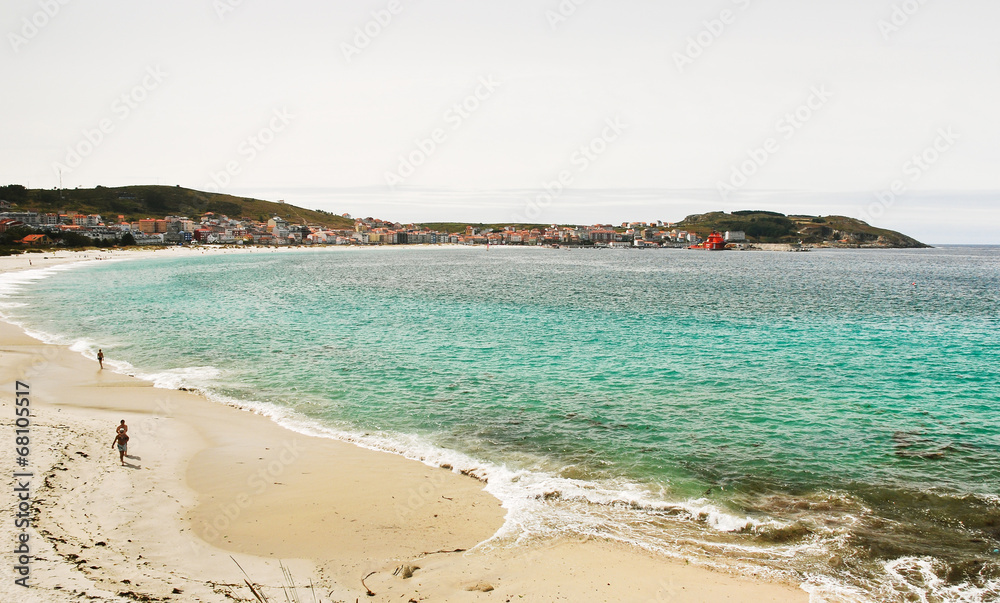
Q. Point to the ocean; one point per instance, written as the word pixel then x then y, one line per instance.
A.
pixel 829 417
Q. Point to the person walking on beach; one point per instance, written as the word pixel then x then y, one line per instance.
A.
pixel 100 360
pixel 121 440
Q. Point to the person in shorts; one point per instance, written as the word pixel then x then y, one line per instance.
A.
pixel 121 440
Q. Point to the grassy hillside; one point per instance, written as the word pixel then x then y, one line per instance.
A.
pixel 771 227
pixel 136 202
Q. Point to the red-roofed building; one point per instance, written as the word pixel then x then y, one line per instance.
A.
pixel 9 223
pixel 36 240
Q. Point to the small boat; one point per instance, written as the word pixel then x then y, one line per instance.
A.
pixel 714 242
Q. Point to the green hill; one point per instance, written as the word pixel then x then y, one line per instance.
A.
pixel 771 227
pixel 135 202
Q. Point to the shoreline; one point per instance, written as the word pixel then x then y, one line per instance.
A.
pixel 208 481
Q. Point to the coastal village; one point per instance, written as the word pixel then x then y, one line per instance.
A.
pixel 218 229
pixel 171 216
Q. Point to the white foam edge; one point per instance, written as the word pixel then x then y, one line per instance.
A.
pixel 933 587
pixel 825 589
pixel 14 281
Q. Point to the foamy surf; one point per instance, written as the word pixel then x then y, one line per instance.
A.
pixel 14 282
pixel 188 377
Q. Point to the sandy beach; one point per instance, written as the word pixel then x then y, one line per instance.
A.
pixel 212 497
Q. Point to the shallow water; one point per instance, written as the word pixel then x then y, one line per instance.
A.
pixel 828 415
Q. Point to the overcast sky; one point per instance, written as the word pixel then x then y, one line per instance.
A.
pixel 577 111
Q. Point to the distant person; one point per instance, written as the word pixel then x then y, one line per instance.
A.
pixel 100 358
pixel 121 440
pixel 122 427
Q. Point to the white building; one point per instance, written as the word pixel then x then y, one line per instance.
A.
pixel 28 217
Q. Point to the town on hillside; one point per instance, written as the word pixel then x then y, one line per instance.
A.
pixel 217 229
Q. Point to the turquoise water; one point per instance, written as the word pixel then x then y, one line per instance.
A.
pixel 832 414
